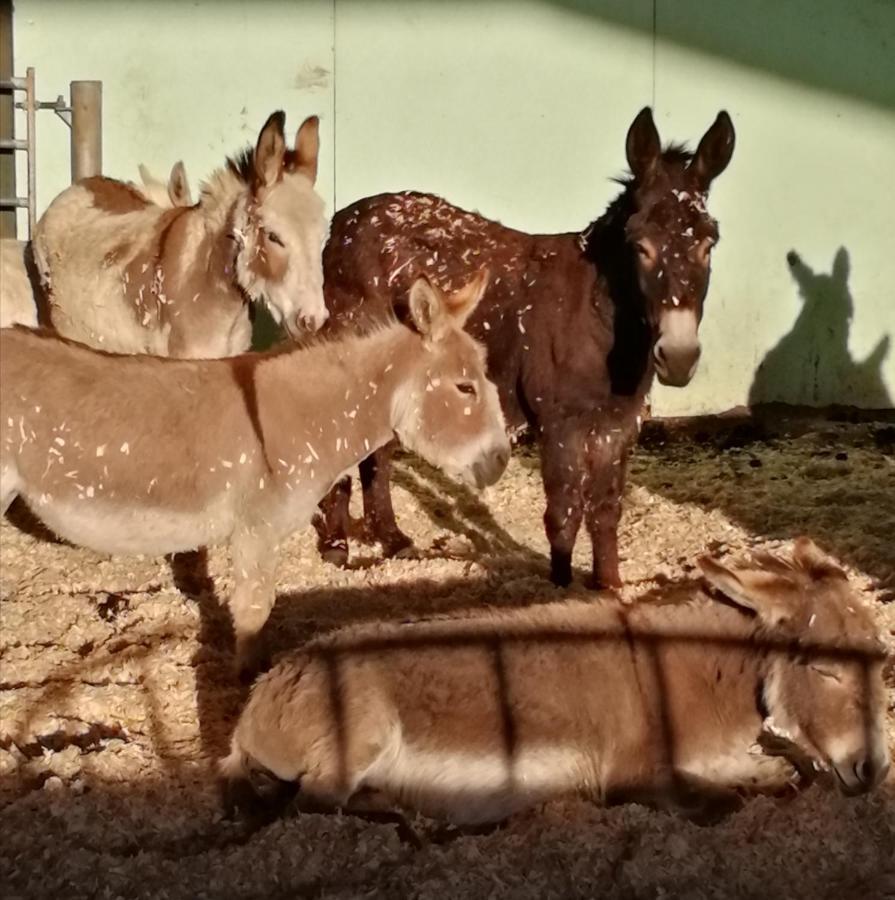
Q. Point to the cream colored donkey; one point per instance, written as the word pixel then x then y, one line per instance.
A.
pixel 126 275
pixel 145 455
pixel 176 192
pixel 474 719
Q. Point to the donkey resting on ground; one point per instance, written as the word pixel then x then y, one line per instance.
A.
pixel 474 719
pixel 126 275
pixel 136 454
pixel 575 325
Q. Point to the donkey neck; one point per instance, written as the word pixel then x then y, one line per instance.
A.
pixel 630 360
pixel 326 407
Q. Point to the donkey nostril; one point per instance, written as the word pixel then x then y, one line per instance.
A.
pixel 865 771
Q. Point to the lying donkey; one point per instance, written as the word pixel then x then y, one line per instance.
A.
pixel 145 455
pixel 126 275
pixel 474 719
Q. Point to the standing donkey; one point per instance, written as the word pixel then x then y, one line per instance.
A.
pixel 575 325
pixel 136 454
pixel 176 192
pixel 126 275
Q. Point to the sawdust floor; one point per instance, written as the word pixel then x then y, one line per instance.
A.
pixel 116 696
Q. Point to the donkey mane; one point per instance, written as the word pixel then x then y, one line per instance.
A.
pixel 675 154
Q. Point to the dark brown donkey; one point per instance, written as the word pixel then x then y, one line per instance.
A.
pixel 575 325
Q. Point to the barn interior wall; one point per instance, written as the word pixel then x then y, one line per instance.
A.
pixel 519 109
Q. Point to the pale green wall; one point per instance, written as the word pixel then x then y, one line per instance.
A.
pixel 192 80
pixel 520 110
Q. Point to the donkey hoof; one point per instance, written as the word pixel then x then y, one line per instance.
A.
pixel 398 546
pixel 408 552
pixel 593 583
pixel 561 575
pixel 336 556
pixel 606 581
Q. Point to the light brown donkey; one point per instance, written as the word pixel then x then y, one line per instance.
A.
pixel 145 455
pixel 126 275
pixel 476 718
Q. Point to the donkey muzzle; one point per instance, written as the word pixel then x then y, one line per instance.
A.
pixel 306 323
pixel 676 352
pixel 490 466
pixel 861 772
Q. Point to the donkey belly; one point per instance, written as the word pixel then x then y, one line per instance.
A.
pixel 109 527
pixel 470 788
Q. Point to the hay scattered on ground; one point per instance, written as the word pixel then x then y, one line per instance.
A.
pixel 116 696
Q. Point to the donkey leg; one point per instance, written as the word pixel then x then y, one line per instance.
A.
pixel 254 562
pixel 332 523
pixel 606 464
pixel 562 484
pixel 379 514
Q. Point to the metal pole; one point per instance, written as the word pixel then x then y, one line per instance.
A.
pixel 31 137
pixel 86 129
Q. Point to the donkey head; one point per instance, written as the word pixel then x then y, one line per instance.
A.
pixel 447 410
pixel 823 692
pixel 672 236
pixel 281 228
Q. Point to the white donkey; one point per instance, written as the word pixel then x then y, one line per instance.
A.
pixel 125 275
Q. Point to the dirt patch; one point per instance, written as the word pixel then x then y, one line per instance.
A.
pixel 116 694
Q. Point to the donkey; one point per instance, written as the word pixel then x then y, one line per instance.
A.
pixel 175 193
pixel 127 276
pixel 18 305
pixel 575 325
pixel 762 672
pixel 137 454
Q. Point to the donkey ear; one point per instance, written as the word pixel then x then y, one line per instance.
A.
pixel 714 151
pixel 642 146
pixel 461 304
pixel 767 594
pixel 307 148
pixel 270 150
pixel 427 308
pixel 178 187
pixel 146 176
pixel 814 561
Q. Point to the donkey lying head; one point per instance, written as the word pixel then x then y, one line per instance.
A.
pixel 823 693
pixel 280 227
pixel 449 412
pixel 673 235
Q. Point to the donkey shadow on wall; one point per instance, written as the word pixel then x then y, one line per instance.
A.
pixel 811 364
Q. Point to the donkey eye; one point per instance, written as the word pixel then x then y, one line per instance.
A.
pixel 466 387
pixel 646 250
pixel 827 673
pixel 274 238
pixel 705 248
